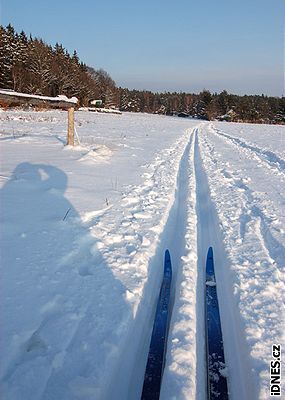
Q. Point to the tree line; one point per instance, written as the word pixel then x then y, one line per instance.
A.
pixel 30 65
pixel 205 105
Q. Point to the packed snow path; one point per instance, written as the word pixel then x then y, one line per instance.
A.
pixel 79 293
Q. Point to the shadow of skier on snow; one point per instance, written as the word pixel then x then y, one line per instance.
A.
pixel 57 293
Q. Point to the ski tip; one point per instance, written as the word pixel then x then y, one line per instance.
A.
pixel 210 252
pixel 167 263
pixel 167 255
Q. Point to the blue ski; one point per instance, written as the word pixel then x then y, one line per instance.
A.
pixel 157 350
pixel 216 371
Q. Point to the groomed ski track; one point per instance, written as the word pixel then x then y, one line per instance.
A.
pixel 247 202
pixel 130 375
pixel 208 234
pixel 173 239
pixel 266 157
pixel 192 227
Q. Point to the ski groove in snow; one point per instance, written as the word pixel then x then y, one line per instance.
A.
pixel 209 234
pixel 273 247
pixel 248 216
pixel 265 156
pixel 179 380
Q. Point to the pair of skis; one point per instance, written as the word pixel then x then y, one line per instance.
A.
pixel 217 388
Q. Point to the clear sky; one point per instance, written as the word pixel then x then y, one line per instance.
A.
pixel 165 45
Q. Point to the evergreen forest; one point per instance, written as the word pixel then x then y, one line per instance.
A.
pixel 29 65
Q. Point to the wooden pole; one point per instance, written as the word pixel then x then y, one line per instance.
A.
pixel 70 132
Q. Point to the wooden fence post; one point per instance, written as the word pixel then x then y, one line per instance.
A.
pixel 70 132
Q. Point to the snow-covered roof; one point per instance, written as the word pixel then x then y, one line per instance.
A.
pixel 59 98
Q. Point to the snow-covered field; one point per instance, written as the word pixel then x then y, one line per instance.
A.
pixel 83 233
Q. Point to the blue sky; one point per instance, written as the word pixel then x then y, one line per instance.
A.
pixel 161 45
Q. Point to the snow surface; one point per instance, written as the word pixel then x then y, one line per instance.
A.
pixel 100 110
pixel 83 235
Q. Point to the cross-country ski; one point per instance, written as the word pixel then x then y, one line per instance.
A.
pixel 217 387
pixel 157 350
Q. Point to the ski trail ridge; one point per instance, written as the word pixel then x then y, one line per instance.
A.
pixel 208 234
